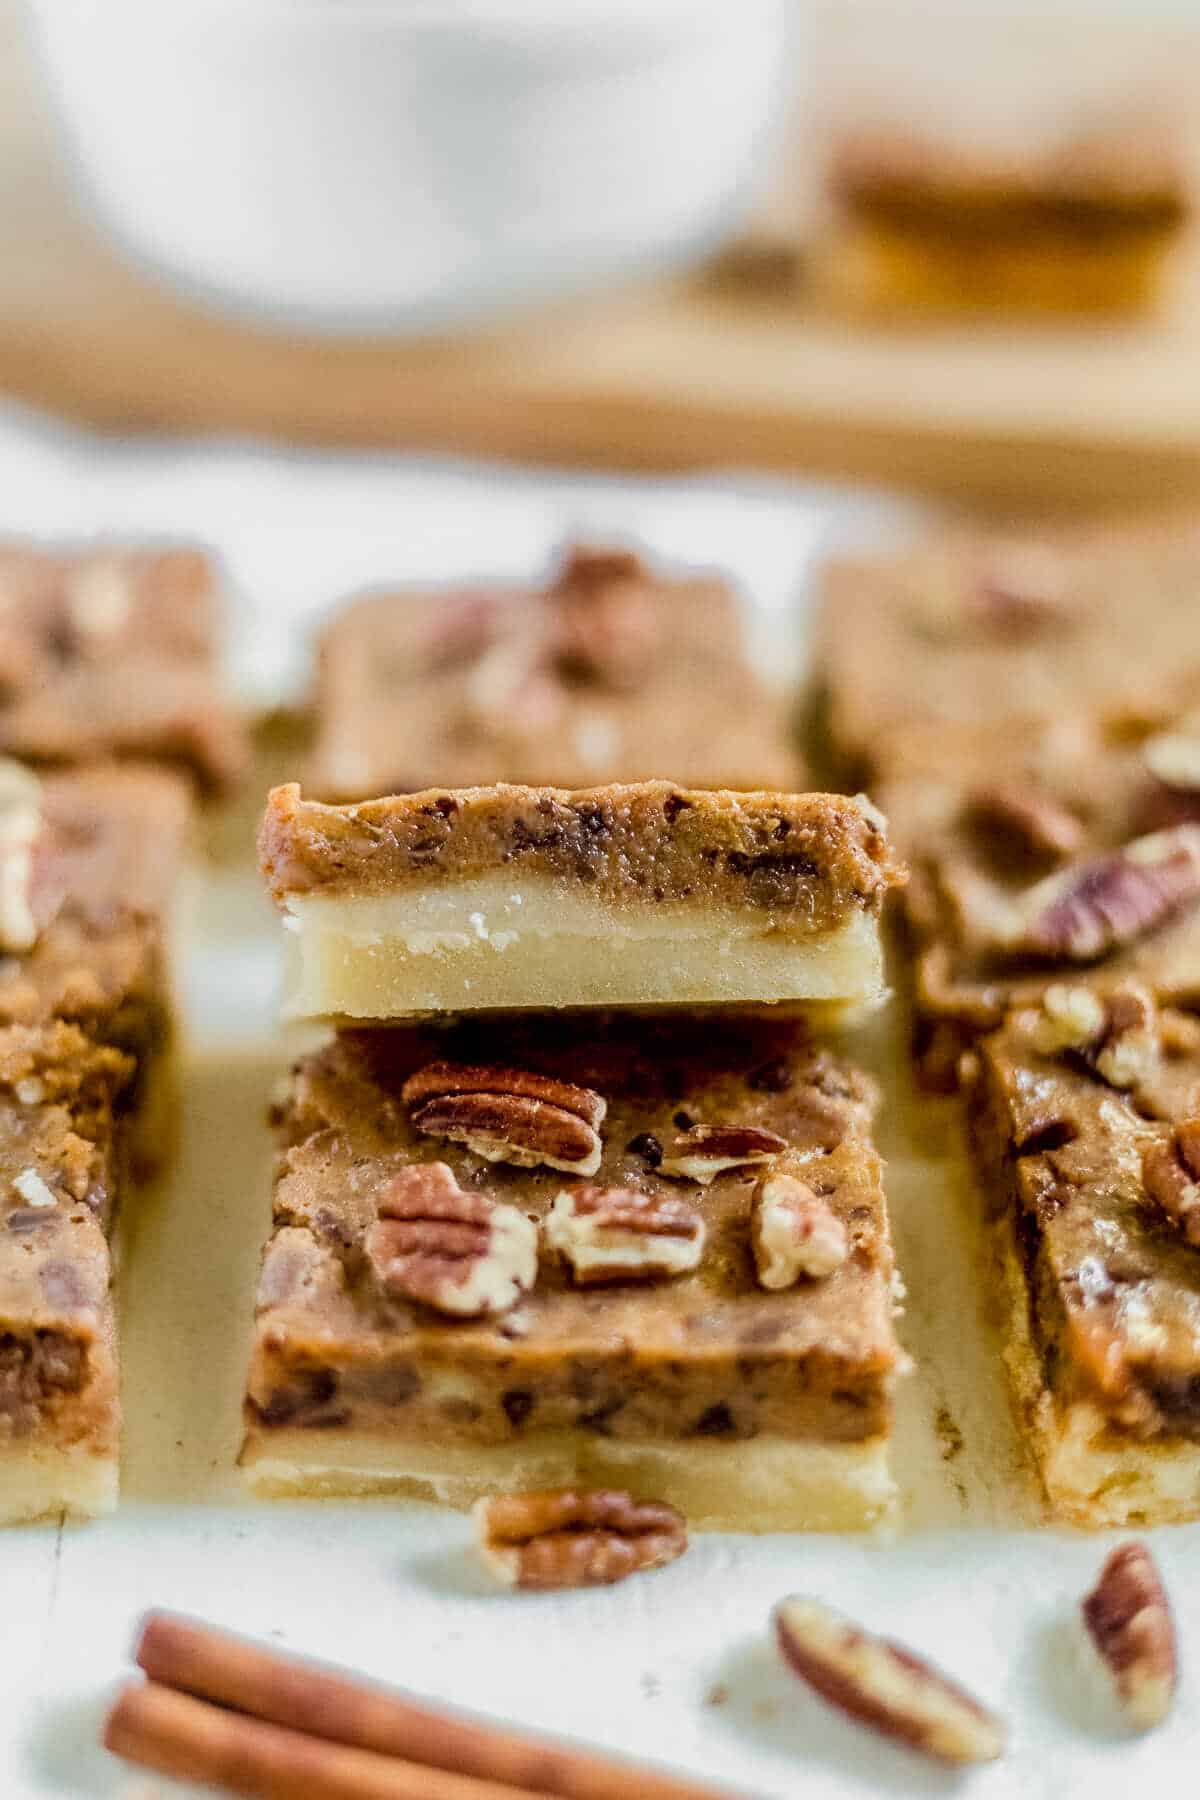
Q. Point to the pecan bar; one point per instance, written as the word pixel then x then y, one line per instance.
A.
pixel 611 673
pixel 488 1270
pixel 1054 858
pixel 63 1151
pixel 1085 1134
pixel 1083 224
pixel 535 897
pixel 114 653
pixel 967 634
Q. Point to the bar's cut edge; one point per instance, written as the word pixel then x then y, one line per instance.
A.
pixel 43 1481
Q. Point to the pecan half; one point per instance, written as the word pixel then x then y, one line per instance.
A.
pixel 1095 907
pixel 705 1151
pixel 794 1232
pixel 1127 1616
pixel 20 827
pixel 1115 1035
pixel 508 1115
pixel 1171 1176
pixel 619 1234
pixel 885 1686
pixel 568 1537
pixel 462 1254
pixel 1034 822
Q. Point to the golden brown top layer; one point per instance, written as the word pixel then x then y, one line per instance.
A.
pixel 813 856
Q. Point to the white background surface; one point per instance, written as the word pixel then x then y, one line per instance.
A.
pixel 676 1665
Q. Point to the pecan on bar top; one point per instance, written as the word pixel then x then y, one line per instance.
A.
pixel 1040 860
pixel 610 673
pixel 1015 634
pixel 113 652
pixel 61 1169
pixel 517 897
pixel 616 1330
pixel 1084 1130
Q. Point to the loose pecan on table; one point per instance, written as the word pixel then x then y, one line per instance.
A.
pixel 794 1231
pixel 1127 1616
pixel 705 1151
pixel 881 1684
pixel 463 1254
pixel 620 1234
pixel 569 1537
pixel 508 1115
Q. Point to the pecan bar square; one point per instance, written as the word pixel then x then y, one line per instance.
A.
pixel 611 673
pixel 969 633
pixel 1054 856
pixel 1086 1137
pixel 63 1153
pixel 516 897
pixel 113 652
pixel 527 1252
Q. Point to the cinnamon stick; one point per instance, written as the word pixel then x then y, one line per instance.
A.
pixel 177 1735
pixel 181 1653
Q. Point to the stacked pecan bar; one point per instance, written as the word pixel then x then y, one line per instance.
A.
pixel 1035 747
pixel 524 1247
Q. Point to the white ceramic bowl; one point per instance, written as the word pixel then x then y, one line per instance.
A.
pixel 359 163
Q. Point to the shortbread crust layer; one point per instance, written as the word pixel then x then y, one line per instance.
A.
pixel 675 1372
pixel 520 897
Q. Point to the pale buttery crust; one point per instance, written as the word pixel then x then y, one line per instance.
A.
pixel 767 1484
pixel 518 897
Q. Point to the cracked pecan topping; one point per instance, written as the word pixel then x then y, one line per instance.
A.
pixel 459 1253
pixel 1171 1176
pixel 705 1151
pixel 569 1537
pixel 508 1115
pixel 793 1232
pixel 1127 1616
pixel 620 1234
pixel 884 1686
pixel 1089 910
pixel 1115 1035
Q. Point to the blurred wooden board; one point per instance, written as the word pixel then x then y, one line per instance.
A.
pixel 699 372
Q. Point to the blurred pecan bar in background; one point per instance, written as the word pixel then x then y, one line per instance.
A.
pixel 1017 634
pixel 580 1248
pixel 1083 224
pixel 1084 1125
pixel 536 897
pixel 611 673
pixel 63 1152
pixel 113 652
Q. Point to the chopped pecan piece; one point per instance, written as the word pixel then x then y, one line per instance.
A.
pixel 1095 907
pixel 1171 1176
pixel 885 1686
pixel 1037 823
pixel 1115 1034
pixel 619 1234
pixel 794 1232
pixel 20 827
pixel 509 1115
pixel 1128 1618
pixel 459 1253
pixel 570 1537
pixel 705 1151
